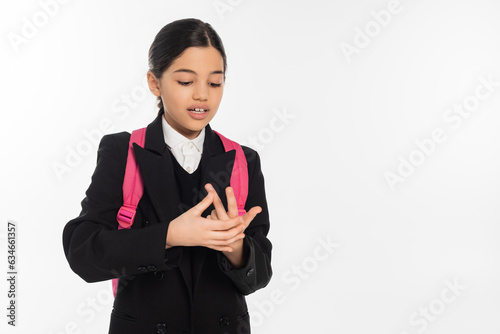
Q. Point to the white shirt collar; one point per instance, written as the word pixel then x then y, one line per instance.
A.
pixel 174 139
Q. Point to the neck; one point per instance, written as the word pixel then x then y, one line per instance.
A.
pixel 189 134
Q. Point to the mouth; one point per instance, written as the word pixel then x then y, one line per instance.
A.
pixel 198 110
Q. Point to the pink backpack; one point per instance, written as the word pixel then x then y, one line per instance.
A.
pixel 133 186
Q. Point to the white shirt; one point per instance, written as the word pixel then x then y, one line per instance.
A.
pixel 187 152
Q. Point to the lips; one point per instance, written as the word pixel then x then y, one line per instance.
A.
pixel 198 111
pixel 198 106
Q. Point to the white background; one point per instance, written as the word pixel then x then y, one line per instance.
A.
pixel 352 118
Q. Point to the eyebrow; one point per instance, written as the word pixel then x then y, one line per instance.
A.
pixel 191 71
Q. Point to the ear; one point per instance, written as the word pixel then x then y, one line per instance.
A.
pixel 153 83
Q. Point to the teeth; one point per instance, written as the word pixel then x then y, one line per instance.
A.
pixel 199 110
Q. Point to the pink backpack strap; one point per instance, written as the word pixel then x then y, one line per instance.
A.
pixel 239 176
pixel 133 186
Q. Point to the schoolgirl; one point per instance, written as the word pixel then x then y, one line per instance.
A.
pixel 188 261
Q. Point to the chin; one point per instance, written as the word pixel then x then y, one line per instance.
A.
pixel 196 126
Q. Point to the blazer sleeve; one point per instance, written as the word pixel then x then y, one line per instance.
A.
pixel 94 247
pixel 257 271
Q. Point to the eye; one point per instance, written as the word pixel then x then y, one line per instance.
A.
pixel 187 83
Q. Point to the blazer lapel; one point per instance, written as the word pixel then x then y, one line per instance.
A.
pixel 157 171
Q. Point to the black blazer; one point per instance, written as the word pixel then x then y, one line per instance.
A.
pixel 155 292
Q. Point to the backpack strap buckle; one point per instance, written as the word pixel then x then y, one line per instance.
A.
pixel 125 216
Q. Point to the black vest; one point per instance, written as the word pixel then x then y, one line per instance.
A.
pixel 189 188
pixel 188 184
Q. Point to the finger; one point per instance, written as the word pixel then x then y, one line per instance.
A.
pixel 214 215
pixel 227 235
pixel 219 207
pixel 236 238
pixel 203 205
pixel 250 215
pixel 232 206
pixel 224 225
pixel 221 211
pixel 227 242
pixel 224 243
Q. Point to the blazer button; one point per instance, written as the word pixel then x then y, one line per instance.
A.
pixel 224 321
pixel 161 328
pixel 142 268
pixel 250 272
pixel 158 274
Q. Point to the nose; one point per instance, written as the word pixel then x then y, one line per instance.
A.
pixel 201 91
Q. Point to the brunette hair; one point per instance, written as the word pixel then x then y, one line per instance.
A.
pixel 177 36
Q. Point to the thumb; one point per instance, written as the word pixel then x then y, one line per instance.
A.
pixel 203 205
pixel 250 214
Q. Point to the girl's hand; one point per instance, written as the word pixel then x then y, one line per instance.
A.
pixel 235 256
pixel 219 211
pixel 191 229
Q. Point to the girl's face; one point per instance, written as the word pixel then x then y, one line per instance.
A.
pixel 194 80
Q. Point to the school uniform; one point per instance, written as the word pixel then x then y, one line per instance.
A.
pixel 180 289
